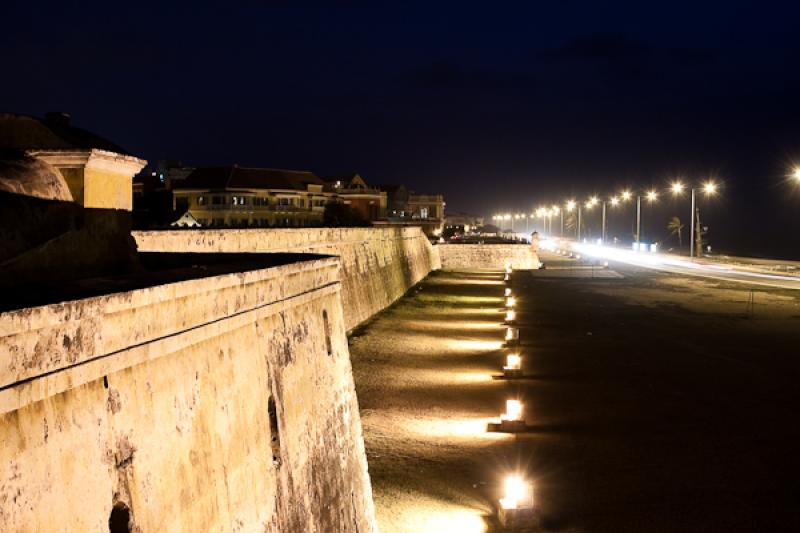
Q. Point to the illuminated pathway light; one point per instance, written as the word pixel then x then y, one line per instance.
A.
pixel 511 316
pixel 512 421
pixel 512 336
pixel 510 301
pixel 507 291
pixel 513 366
pixel 516 509
pixel 513 411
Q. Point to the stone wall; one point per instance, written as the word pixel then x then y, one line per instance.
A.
pixel 494 256
pixel 378 264
pixel 161 400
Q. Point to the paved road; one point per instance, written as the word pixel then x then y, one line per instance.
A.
pixel 654 405
pixel 750 275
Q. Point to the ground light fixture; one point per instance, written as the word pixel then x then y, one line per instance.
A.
pixel 511 316
pixel 513 366
pixel 510 302
pixel 512 336
pixel 507 278
pixel 509 270
pixel 515 509
pixel 512 421
pixel 507 291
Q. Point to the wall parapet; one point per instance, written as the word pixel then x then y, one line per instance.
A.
pixel 221 403
pixel 489 256
pixel 378 265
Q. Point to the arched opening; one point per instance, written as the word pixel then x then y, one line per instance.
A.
pixel 120 519
pixel 275 436
pixel 326 325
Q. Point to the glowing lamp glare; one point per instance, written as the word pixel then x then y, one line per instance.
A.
pixel 513 410
pixel 513 362
pixel 518 493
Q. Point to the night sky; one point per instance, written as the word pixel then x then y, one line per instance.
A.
pixel 499 106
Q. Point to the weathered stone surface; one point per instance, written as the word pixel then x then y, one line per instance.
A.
pixel 159 398
pixel 492 256
pixel 378 265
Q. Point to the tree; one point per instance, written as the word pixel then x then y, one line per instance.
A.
pixel 675 228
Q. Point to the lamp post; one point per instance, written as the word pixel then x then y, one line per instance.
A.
pixel 591 203
pixel 651 196
pixel 603 225
pixel 571 204
pixel 555 210
pixel 709 188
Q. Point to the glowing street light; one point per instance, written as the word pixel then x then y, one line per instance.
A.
pixel 677 187
pixel 510 301
pixel 626 195
pixel 796 174
pixel 652 196
pixel 516 509
pixel 709 188
pixel 614 201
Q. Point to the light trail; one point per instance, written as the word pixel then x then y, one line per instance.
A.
pixel 678 265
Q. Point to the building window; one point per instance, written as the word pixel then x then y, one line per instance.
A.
pixel 260 201
pixel 239 200
pixel 284 201
pixel 302 202
pixel 201 200
pixel 423 212
pixel 217 200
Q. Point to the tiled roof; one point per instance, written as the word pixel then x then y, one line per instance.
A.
pixel 236 177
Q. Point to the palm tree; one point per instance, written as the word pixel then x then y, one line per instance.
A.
pixel 675 228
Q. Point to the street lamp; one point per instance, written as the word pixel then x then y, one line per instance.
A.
pixel 708 188
pixel 571 205
pixel 651 197
pixel 796 174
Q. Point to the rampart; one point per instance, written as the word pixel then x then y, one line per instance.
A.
pixel 223 401
pixel 455 256
pixel 378 265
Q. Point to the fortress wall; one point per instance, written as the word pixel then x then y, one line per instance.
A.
pixel 494 256
pixel 378 265
pixel 159 398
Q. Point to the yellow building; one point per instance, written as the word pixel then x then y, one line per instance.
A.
pixel 237 196
pixel 99 174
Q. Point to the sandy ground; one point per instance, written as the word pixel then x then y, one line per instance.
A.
pixel 656 403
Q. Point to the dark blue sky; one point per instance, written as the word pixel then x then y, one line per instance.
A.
pixel 496 105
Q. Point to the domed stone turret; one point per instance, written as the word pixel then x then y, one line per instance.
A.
pixel 28 176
